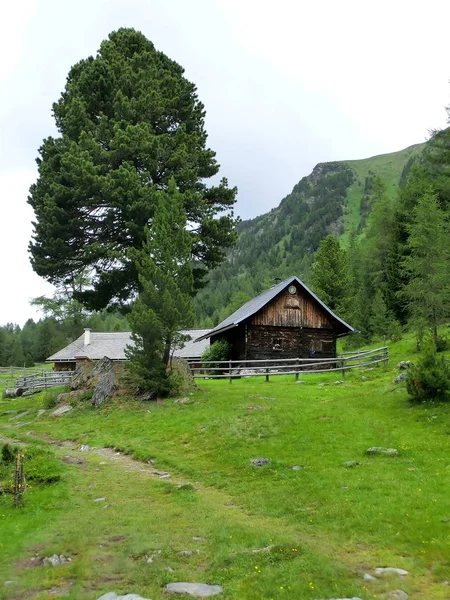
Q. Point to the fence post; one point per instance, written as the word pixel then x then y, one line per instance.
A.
pixel 342 367
pixel 386 352
pixel 267 373
pixel 229 371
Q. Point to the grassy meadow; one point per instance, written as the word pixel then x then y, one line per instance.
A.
pixel 267 532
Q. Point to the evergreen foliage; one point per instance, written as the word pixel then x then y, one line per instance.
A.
pixel 218 351
pixel 428 265
pixel 164 305
pixel 330 275
pixel 129 123
pixel 429 379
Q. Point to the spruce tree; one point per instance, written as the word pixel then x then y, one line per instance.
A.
pixel 164 305
pixel 330 276
pixel 428 265
pixel 380 320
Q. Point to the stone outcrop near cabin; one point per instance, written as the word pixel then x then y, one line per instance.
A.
pixel 100 376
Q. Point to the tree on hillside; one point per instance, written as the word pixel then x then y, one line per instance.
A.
pixel 428 265
pixel 330 275
pixel 164 305
pixel 129 122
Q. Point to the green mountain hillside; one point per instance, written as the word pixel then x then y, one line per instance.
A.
pixel 334 198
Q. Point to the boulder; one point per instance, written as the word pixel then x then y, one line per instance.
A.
pixel 390 571
pixel 106 384
pixel 259 462
pixel 55 560
pixel 400 377
pixel 197 590
pixel 397 595
pixel 114 596
pixel 383 451
pixel 62 410
pixel 403 365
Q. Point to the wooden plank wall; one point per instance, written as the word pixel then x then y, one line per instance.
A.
pixel 297 310
pixel 295 343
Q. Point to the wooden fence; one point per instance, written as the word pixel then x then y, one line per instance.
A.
pixel 22 371
pixel 40 381
pixel 346 361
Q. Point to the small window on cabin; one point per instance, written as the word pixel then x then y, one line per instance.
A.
pixel 328 346
pixel 277 344
pixel 316 345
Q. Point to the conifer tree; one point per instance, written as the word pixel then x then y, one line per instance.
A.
pixel 128 121
pixel 428 265
pixel 164 305
pixel 380 319
pixel 330 275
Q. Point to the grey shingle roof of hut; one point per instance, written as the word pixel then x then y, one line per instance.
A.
pixel 113 346
pixel 252 306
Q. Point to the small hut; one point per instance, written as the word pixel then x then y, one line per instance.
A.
pixel 286 321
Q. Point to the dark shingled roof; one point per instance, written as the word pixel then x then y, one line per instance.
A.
pixel 253 306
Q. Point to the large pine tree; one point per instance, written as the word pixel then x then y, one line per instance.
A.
pixel 128 123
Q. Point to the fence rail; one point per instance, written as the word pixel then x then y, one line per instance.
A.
pixel 231 369
pixel 40 381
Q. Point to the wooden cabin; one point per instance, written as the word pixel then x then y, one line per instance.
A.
pixel 286 321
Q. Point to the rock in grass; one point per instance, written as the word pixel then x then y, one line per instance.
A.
pixel 397 595
pixel 400 377
pixel 55 560
pixel 62 410
pixel 384 451
pixel 390 571
pixel 198 590
pixel 114 596
pixel 259 462
pixel 369 577
pixel 24 414
pixel 350 464
pixel 352 598
pixel 84 448
pixel 403 365
pixel 71 460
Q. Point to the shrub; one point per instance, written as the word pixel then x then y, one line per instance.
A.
pixel 8 454
pixel 50 396
pixel 429 379
pixel 441 343
pixel 218 351
pixel 41 466
pixel 395 331
pixel 180 377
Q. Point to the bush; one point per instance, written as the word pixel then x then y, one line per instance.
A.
pixel 395 331
pixel 441 343
pixel 429 379
pixel 8 454
pixel 180 378
pixel 49 398
pixel 41 466
pixel 218 351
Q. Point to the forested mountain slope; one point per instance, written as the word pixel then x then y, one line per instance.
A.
pixel 335 198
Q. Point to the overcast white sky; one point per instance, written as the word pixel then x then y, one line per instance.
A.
pixel 286 85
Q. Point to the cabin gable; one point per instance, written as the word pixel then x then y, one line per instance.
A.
pixel 290 309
